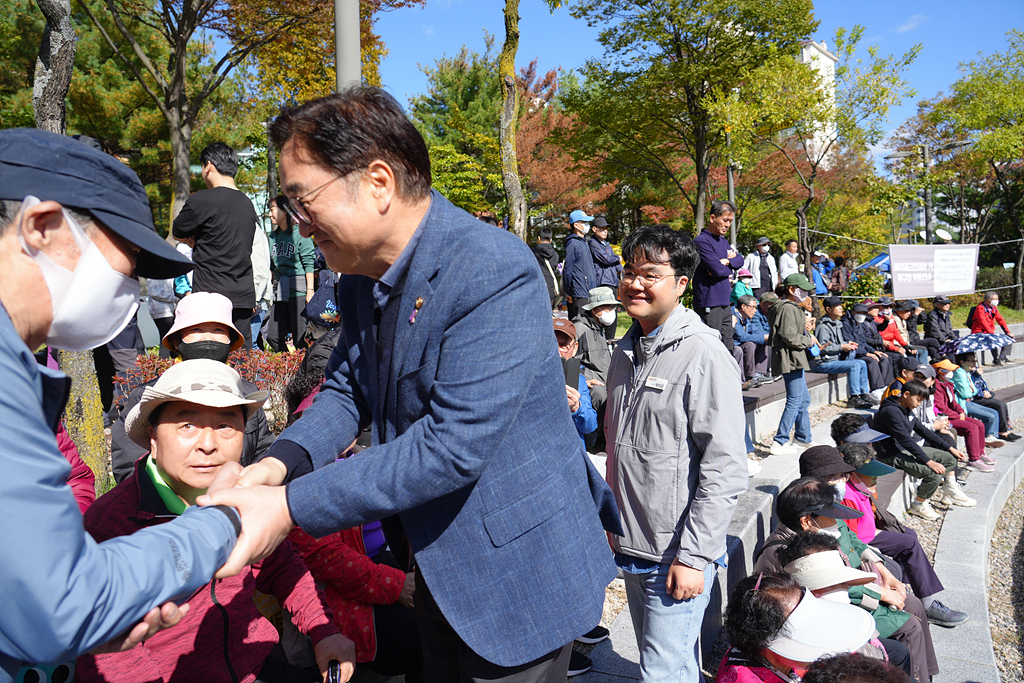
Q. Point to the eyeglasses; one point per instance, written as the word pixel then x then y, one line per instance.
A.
pixel 645 280
pixel 297 207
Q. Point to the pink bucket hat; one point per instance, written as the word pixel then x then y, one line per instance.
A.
pixel 744 273
pixel 203 307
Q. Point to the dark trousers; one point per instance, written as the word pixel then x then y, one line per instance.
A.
pixel 573 307
pixel 446 658
pixel 880 373
pixel 163 326
pixel 998 406
pixel 1004 354
pixel 907 551
pixel 915 634
pixel 287 319
pixel 241 318
pixel 276 671
pixel 899 655
pixel 719 318
pixel 753 358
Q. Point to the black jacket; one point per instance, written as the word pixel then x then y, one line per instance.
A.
pixel 865 334
pixel 547 256
pixel 124 452
pixel 940 326
pixel 901 425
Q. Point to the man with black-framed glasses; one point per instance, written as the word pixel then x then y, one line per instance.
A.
pixel 220 223
pixel 670 376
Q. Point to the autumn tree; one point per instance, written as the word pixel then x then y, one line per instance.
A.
pixel 243 26
pixel 791 107
pixel 988 105
pixel 647 107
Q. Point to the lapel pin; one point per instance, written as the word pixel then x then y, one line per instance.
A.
pixel 419 305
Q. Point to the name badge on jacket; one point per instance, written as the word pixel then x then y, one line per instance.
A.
pixel 656 383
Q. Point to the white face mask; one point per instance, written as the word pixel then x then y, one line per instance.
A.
pixel 606 318
pixel 946 373
pixel 746 280
pixel 840 487
pixel 764 249
pixel 586 228
pixel 799 294
pixel 993 303
pixel 840 596
pixel 860 317
pixel 92 303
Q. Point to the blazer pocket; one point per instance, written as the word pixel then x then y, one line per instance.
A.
pixel 529 512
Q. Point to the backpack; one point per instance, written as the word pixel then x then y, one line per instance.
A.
pixel 970 317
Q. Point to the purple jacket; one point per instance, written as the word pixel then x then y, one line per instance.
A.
pixel 711 280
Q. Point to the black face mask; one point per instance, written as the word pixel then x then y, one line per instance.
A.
pixel 208 349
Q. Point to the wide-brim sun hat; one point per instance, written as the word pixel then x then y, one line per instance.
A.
pixel 600 296
pixel 816 628
pixel 201 381
pixel 821 570
pixel 874 468
pixel 203 307
pixel 865 435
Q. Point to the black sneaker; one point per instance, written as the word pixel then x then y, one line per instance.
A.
pixel 594 635
pixel 869 399
pixel 579 663
pixel 1012 437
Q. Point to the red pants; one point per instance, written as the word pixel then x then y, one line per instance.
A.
pixel 973 432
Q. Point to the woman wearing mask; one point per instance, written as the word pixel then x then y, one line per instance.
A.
pixel 742 286
pixel 985 317
pixel 761 264
pixel 990 410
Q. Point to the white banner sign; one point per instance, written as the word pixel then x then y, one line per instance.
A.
pixel 924 271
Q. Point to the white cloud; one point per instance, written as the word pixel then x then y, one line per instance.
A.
pixel 429 31
pixel 912 23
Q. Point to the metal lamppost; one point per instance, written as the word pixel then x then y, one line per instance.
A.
pixel 927 190
pixel 347 59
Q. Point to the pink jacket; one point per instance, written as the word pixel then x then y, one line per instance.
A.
pixel 865 526
pixel 82 481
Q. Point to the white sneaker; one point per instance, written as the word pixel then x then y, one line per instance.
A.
pixel 753 467
pixel 783 449
pixel 877 393
pixel 994 442
pixel 937 497
pixel 953 495
pixel 804 446
pixel 924 510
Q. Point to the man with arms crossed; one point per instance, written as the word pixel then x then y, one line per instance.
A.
pixel 475 465
pixel 670 375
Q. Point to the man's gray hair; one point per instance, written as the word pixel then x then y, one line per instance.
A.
pixel 747 299
pixel 991 295
pixel 9 209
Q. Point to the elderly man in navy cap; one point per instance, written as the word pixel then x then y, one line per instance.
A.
pixel 75 232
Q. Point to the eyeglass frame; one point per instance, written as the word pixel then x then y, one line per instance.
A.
pixel 290 203
pixel 644 279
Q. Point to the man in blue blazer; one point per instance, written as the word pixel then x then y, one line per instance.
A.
pixel 448 352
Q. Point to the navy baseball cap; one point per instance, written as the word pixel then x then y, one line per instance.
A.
pixel 74 174
pixel 865 435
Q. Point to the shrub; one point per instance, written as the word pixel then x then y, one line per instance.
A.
pixel 268 370
pixel 866 283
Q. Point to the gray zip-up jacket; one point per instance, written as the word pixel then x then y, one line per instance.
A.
pixel 674 427
pixel 829 334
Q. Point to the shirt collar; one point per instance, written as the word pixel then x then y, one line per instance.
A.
pixel 382 289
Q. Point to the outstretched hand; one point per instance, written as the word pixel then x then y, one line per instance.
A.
pixel 156 620
pixel 266 522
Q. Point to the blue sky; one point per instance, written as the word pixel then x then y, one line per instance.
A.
pixel 951 32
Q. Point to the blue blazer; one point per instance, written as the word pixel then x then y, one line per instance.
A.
pixel 481 460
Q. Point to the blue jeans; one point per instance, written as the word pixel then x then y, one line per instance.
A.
pixel 858 373
pixel 988 416
pixel 257 322
pixel 666 630
pixel 798 401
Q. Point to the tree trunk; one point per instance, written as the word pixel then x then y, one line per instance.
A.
pixel 54 66
pixel 83 416
pixel 509 121
pixel 1018 294
pixel 181 144
pixel 271 165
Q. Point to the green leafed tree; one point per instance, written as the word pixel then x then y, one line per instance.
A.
pixel 793 108
pixel 647 105
pixel 988 104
